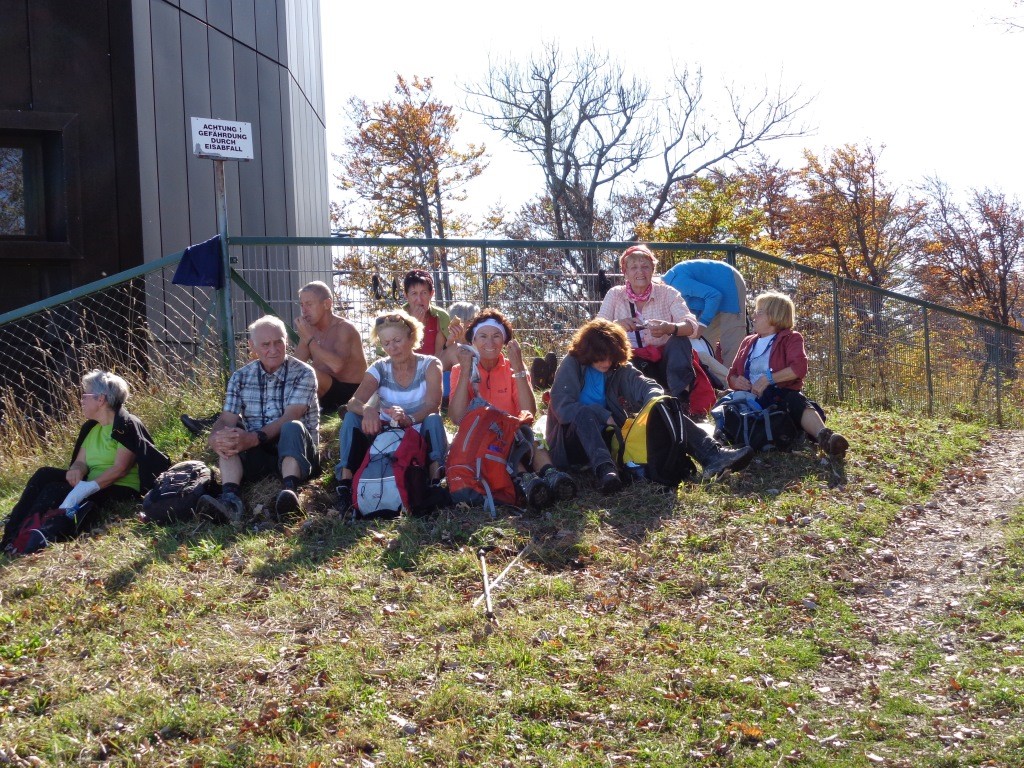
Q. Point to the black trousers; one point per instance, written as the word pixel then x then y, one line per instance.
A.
pixel 46 490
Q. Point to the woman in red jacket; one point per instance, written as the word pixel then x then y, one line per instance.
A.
pixel 772 364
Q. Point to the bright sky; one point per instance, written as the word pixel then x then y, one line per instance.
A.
pixel 935 81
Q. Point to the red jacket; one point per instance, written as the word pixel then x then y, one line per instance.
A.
pixel 787 352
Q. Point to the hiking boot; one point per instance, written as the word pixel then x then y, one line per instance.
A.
pixel 287 503
pixel 608 480
pixel 344 502
pixel 228 508
pixel 563 486
pixel 725 459
pixel 537 492
pixel 832 443
pixel 198 427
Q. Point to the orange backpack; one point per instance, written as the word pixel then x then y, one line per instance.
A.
pixel 483 456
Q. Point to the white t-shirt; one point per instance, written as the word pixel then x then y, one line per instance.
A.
pixel 412 398
pixel 759 356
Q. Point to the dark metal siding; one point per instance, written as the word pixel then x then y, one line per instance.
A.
pixel 130 74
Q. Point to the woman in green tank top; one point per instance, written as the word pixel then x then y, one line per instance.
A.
pixel 114 459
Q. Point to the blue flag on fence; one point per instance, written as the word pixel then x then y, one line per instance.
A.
pixel 201 265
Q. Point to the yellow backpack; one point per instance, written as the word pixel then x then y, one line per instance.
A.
pixel 655 439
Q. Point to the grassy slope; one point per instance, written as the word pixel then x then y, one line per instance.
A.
pixel 640 629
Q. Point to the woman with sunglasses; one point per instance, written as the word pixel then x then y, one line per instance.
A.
pixel 771 364
pixel 595 387
pixel 407 386
pixel 113 460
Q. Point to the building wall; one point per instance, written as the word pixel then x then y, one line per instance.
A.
pixel 68 84
pixel 113 84
pixel 255 61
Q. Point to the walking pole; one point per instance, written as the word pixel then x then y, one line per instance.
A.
pixel 482 555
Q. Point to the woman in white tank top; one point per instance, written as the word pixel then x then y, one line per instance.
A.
pixel 408 388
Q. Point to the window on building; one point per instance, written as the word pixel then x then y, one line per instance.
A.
pixel 22 209
pixel 39 193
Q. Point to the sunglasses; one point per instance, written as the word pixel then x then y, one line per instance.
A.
pixel 390 319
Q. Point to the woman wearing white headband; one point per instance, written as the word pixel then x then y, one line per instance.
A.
pixel 505 384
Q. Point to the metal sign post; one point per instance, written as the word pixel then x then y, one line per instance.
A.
pixel 221 140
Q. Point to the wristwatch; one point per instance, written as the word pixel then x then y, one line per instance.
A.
pixel 261 436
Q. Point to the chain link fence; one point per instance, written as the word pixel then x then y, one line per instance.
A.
pixel 869 348
pixel 136 324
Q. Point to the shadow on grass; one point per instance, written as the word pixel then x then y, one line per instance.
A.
pixel 559 538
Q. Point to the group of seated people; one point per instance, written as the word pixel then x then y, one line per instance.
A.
pixel 271 414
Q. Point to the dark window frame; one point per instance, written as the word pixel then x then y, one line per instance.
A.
pixel 53 221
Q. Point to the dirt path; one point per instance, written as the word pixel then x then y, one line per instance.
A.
pixel 937 555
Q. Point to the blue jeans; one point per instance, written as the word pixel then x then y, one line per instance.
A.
pixel 353 443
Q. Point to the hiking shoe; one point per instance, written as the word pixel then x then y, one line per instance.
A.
pixel 725 459
pixel 228 508
pixel 344 502
pixel 198 427
pixel 832 443
pixel 537 492
pixel 563 486
pixel 608 480
pixel 287 503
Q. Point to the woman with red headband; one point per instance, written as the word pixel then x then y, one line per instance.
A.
pixel 656 321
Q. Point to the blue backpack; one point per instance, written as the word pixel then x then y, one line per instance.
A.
pixel 742 421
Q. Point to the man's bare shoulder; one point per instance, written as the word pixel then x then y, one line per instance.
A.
pixel 342 330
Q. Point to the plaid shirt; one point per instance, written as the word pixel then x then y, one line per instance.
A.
pixel 260 397
pixel 665 304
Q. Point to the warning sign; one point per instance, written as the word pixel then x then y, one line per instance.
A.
pixel 221 139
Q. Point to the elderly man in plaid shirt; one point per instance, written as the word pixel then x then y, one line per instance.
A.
pixel 270 422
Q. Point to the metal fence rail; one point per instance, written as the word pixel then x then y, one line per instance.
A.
pixel 868 347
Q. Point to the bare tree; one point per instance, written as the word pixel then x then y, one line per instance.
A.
pixel 581 120
pixel 695 139
pixel 589 127
pixel 1011 23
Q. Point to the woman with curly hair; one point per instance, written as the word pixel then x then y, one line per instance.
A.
pixel 595 387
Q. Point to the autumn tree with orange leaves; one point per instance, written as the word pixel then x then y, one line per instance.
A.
pixel 850 221
pixel 974 257
pixel 403 167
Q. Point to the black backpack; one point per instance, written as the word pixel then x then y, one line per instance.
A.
pixel 176 493
pixel 741 423
pixel 652 444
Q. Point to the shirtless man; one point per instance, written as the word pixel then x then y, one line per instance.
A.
pixel 331 344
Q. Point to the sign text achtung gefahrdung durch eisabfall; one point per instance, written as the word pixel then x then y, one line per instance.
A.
pixel 221 139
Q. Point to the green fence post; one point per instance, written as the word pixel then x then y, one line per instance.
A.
pixel 999 377
pixel 227 321
pixel 730 257
pixel 841 387
pixel 484 294
pixel 928 359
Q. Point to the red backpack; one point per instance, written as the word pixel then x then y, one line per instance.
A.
pixel 702 394
pixel 392 475
pixel 481 459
